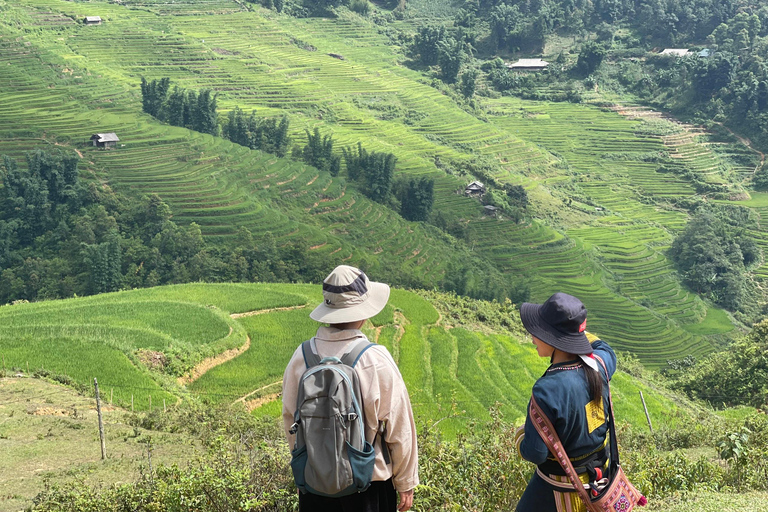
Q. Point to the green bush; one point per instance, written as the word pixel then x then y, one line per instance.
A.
pixel 245 465
pixel 361 7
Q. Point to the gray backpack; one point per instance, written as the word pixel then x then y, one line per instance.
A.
pixel 331 456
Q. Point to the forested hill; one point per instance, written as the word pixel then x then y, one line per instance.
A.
pixel 584 196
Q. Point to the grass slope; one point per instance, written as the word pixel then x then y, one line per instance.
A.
pixel 49 434
pixel 66 81
pixel 454 374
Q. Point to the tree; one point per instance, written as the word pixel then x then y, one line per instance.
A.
pixel 24 201
pixel 505 21
pixel 709 254
pixel 375 170
pixel 104 264
pixel 451 55
pixel 737 376
pixel 590 57
pixel 174 107
pixel 711 75
pixel 318 152
pixel 760 180
pixel 379 173
pixel 467 84
pixel 517 196
pixel 153 95
pixel 426 43
pixel 417 199
pixel 205 118
pixel 57 169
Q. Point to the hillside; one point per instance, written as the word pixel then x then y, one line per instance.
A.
pixel 460 359
pixel 138 344
pixel 591 229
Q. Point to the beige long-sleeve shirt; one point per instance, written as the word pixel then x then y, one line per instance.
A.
pixel 385 398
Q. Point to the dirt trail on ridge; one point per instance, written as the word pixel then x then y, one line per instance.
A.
pixel 212 362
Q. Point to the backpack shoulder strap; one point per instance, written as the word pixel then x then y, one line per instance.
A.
pixel 353 354
pixel 311 358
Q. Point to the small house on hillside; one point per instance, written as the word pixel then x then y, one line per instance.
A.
pixel 104 140
pixel 92 20
pixel 528 64
pixel 475 189
pixel 490 210
pixel 676 52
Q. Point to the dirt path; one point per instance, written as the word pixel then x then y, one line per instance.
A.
pixel 261 400
pixel 70 147
pixel 263 311
pixel 747 143
pixel 212 362
pixel 646 112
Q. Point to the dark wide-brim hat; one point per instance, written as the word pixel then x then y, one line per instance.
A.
pixel 561 321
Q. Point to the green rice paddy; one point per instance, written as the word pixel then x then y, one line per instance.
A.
pixel 453 374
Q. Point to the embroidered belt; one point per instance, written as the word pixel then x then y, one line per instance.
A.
pixel 568 486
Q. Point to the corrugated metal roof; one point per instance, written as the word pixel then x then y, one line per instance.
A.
pixel 106 137
pixel 678 52
pixel 93 18
pixel 529 63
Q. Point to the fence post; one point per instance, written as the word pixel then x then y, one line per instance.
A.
pixel 111 390
pixel 647 416
pixel 101 422
pixel 131 402
pixel 164 409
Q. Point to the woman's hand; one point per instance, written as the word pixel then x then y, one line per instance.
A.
pixel 406 500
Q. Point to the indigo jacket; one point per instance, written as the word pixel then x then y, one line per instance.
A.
pixel 563 394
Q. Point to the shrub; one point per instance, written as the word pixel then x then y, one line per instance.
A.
pixel 361 7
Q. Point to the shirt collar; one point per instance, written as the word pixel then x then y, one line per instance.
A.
pixel 333 334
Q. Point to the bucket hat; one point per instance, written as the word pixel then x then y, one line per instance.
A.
pixel 561 321
pixel 349 296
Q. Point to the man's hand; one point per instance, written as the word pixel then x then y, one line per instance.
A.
pixel 406 500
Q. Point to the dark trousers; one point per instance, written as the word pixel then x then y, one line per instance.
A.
pixel 538 497
pixel 379 497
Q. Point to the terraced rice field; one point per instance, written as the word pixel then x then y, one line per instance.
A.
pixel 112 337
pixel 602 239
pixel 454 375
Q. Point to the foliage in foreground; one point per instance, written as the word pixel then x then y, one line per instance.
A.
pixel 245 465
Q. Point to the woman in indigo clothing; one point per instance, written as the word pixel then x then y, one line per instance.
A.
pixel 573 393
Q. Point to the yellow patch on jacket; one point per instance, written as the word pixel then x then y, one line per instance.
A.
pixel 595 414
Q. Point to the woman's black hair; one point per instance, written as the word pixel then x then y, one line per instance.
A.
pixel 595 383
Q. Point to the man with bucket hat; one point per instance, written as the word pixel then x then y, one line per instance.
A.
pixel 573 394
pixel 349 299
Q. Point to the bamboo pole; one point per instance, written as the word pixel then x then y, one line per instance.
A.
pixel 101 422
pixel 645 408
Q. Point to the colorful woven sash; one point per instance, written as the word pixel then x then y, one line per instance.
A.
pixel 620 495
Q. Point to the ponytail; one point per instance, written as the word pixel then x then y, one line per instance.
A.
pixel 595 383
